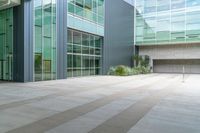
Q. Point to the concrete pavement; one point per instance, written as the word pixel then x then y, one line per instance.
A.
pixel 154 103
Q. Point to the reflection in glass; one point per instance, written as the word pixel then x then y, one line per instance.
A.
pixel 6 44
pixel 167 22
pixel 85 59
pixel 45 39
pixel 92 10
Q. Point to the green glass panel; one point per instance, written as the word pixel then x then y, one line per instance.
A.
pixel 85 61
pixel 86 54
pixel 69 61
pixel 38 67
pixel 71 8
pixel 69 48
pixel 167 22
pixel 92 10
pixel 6 44
pixel 193 27
pixel 45 39
pixel 69 73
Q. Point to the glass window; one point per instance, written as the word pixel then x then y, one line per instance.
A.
pixel 149 6
pixel 86 40
pixel 76 61
pixel 38 67
pixel 69 48
pixel 98 42
pixel 177 4
pixel 6 44
pixel 76 49
pixel 193 26
pixel 69 72
pixel 140 6
pixel 163 28
pixel 163 5
pixel 77 38
pixel 92 10
pixel 178 28
pixel 45 39
pixel 167 21
pixel 69 36
pixel 191 3
pixel 69 61
pixel 86 61
pixel 86 54
pixel 85 50
pixel 71 8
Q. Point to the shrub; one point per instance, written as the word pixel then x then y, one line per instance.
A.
pixel 141 60
pixel 141 70
pixel 126 71
pixel 122 70
pixel 112 71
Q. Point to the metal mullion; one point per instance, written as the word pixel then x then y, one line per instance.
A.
pixel 89 51
pixel 186 45
pixel 81 54
pixel 72 33
pixel 52 42
pixel 34 42
pixel 170 4
pixel 94 58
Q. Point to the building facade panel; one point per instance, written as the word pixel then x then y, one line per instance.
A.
pixel 45 55
pixel 168 30
pixel 163 22
pixel 119 34
pixel 171 52
pixel 84 54
pixel 6 44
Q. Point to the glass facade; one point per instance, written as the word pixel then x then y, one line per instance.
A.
pixel 84 54
pixel 85 41
pixel 45 40
pixel 167 22
pixel 6 44
pixel 92 10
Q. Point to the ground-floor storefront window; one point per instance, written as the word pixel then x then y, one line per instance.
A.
pixel 84 54
pixel 6 44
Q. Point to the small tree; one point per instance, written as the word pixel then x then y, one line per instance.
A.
pixel 140 61
pixel 145 61
pixel 137 59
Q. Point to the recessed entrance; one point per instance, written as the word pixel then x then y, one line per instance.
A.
pixel 191 66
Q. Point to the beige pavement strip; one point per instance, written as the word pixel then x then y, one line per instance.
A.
pixel 22 102
pixel 55 120
pixel 61 93
pixel 125 120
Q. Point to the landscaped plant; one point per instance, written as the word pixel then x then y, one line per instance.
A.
pixel 141 60
pixel 137 59
pixel 142 67
pixel 122 70
pixel 112 71
pixel 126 71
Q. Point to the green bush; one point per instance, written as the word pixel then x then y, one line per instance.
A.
pixel 122 70
pixel 112 71
pixel 141 70
pixel 126 71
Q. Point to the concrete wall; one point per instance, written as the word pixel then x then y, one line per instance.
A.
pixel 119 34
pixel 179 51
